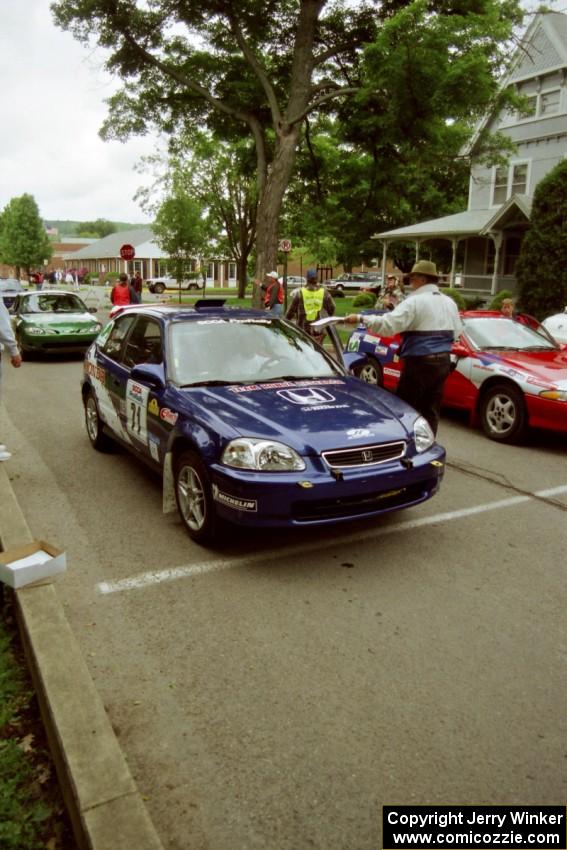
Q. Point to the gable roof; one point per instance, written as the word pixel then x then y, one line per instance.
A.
pixel 543 48
pixel 142 238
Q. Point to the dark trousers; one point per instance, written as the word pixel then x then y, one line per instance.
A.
pixel 421 384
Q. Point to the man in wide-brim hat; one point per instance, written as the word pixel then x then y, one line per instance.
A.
pixel 428 322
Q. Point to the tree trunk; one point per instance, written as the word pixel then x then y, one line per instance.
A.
pixel 269 207
pixel 242 267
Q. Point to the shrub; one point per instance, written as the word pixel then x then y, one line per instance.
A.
pixel 364 299
pixel 457 297
pixel 496 302
pixel 475 302
pixel 542 265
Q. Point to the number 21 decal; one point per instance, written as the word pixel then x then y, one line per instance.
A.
pixel 137 411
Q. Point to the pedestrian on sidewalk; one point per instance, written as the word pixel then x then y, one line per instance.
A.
pixel 7 341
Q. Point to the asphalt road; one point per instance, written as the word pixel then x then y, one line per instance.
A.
pixel 276 692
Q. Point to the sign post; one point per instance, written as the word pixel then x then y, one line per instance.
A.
pixel 285 247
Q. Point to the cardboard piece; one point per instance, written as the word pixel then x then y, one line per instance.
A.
pixel 31 562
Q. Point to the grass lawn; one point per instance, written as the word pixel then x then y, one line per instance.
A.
pixel 343 306
pixel 32 814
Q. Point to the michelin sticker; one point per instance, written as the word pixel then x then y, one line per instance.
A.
pixel 250 505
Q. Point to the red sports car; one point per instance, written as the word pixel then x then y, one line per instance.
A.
pixel 509 374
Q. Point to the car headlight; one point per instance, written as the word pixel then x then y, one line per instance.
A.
pixel 423 435
pixel 33 329
pixel 93 329
pixel 555 395
pixel 261 455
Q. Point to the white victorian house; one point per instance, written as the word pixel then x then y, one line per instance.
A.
pixel 487 236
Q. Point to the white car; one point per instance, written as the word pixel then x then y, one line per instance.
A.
pixel 557 326
pixel 295 280
pixel 160 284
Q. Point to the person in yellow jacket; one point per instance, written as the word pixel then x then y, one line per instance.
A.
pixel 309 303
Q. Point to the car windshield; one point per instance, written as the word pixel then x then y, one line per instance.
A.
pixel 51 303
pixel 504 333
pixel 243 350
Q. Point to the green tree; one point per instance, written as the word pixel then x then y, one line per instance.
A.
pixel 394 153
pixel 256 67
pixel 96 229
pixel 24 243
pixel 220 176
pixel 541 269
pixel 180 231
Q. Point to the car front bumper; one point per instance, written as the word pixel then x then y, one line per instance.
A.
pixel 51 343
pixel 316 497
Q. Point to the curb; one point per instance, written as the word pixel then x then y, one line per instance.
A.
pixel 104 804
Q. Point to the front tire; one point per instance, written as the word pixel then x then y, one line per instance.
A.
pixel 159 288
pixel 93 422
pixel 370 371
pixel 503 413
pixel 194 498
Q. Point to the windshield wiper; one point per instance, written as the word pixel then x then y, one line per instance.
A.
pixel 538 348
pixel 212 384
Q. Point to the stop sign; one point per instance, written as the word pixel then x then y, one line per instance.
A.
pixel 127 252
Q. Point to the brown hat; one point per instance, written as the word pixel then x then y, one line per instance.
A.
pixel 425 268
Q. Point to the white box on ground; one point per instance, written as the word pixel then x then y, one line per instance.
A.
pixel 31 562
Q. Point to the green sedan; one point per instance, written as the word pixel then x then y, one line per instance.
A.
pixel 51 321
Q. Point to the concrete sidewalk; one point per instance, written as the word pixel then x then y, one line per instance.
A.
pixel 107 812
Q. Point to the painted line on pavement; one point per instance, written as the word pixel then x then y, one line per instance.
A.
pixel 158 576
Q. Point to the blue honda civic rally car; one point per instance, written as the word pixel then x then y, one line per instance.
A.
pixel 249 420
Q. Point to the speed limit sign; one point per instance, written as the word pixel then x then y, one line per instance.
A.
pixel 285 245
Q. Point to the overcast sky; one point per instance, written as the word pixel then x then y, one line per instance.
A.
pixel 52 92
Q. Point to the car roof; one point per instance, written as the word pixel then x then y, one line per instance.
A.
pixel 211 308
pixel 50 292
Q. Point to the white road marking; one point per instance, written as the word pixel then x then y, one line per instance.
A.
pixel 188 571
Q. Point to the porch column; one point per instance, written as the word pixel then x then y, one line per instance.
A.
pixel 497 239
pixel 384 259
pixel 454 243
pixel 417 250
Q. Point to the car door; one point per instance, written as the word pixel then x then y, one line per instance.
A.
pixel 143 409
pixel 103 366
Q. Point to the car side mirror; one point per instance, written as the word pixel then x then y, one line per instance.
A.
pixel 93 309
pixel 152 374
pixel 460 350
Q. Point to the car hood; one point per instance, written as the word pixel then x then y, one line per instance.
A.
pixel 547 366
pixel 310 416
pixel 61 321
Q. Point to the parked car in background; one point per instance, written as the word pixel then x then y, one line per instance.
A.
pixel 557 326
pixel 248 419
pixel 158 285
pixel 354 281
pixel 295 280
pixel 9 288
pixel 52 321
pixel 508 374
